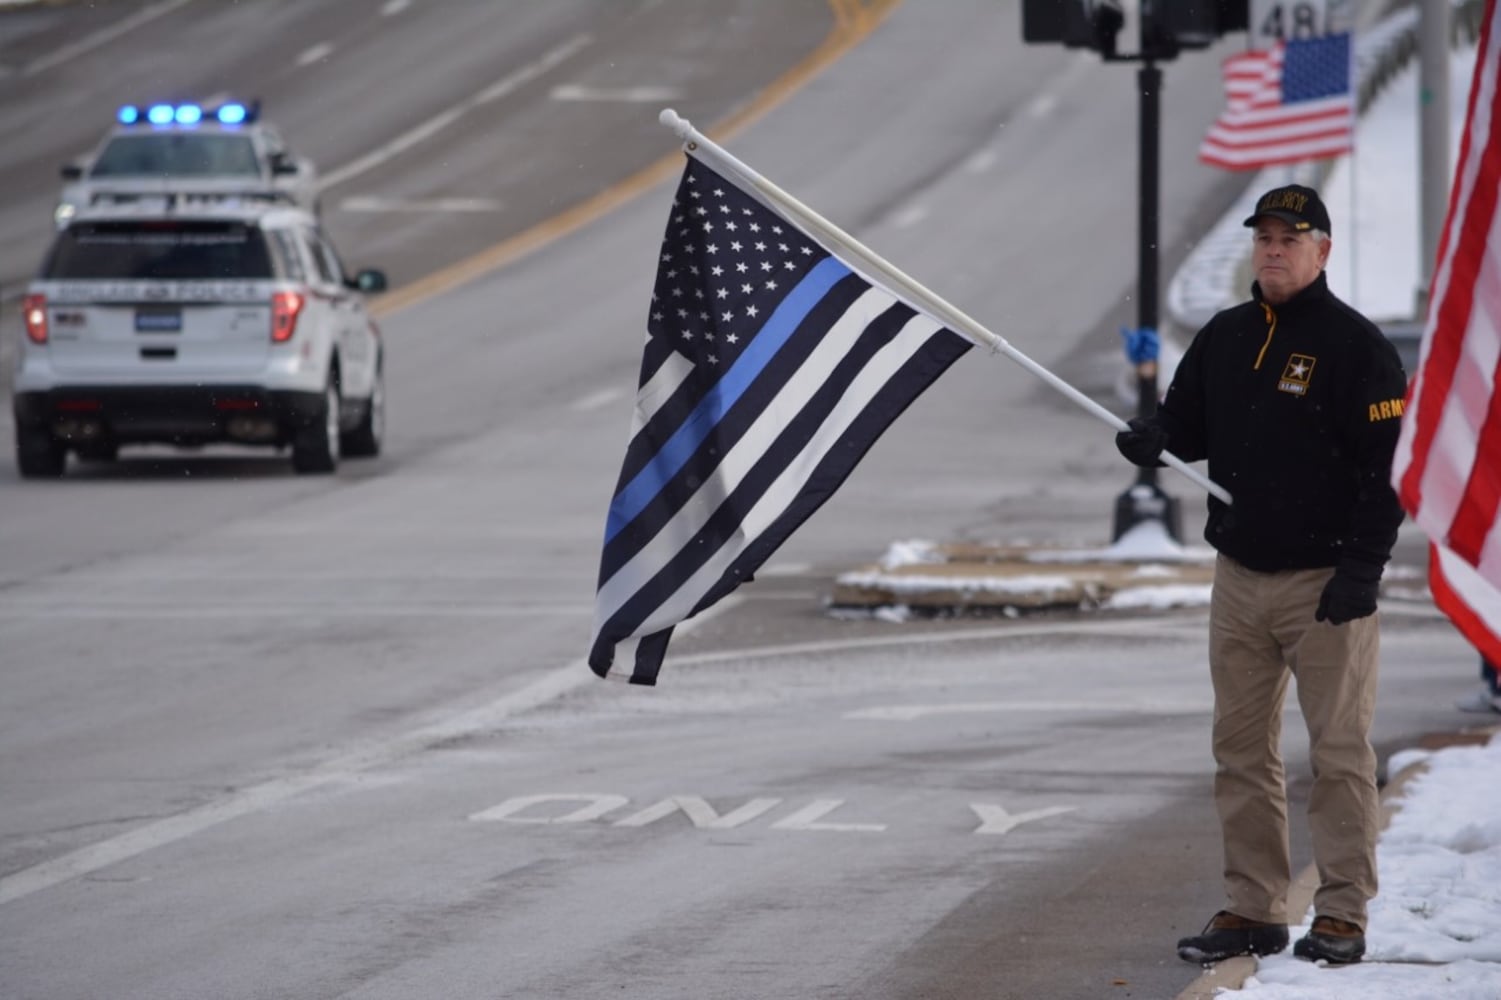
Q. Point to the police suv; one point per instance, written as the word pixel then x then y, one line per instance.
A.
pixel 189 322
pixel 187 148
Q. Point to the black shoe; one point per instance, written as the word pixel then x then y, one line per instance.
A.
pixel 1337 942
pixel 1229 934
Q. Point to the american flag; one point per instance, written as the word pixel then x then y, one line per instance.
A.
pixel 1288 103
pixel 771 366
pixel 1447 468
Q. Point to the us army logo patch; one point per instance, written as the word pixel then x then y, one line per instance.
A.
pixel 1296 375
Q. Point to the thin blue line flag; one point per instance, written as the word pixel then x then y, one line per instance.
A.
pixel 771 366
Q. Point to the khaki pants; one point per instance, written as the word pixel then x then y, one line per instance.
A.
pixel 1261 627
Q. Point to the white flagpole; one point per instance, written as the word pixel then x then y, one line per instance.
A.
pixel 888 275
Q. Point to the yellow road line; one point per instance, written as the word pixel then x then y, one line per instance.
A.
pixel 853 20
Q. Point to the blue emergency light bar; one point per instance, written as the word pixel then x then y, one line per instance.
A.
pixel 229 113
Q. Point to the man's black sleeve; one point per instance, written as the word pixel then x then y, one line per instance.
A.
pixel 1181 412
pixel 1373 407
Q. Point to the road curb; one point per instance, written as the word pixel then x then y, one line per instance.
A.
pixel 979 578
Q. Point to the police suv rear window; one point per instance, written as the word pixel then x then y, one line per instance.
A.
pixel 160 250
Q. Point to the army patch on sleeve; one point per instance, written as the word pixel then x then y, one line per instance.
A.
pixel 1296 375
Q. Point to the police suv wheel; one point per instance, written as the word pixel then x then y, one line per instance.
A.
pixel 365 439
pixel 38 454
pixel 315 449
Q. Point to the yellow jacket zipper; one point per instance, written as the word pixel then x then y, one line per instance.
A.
pixel 1271 328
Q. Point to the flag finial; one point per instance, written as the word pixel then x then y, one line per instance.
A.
pixel 680 126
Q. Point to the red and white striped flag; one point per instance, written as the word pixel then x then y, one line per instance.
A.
pixel 1447 468
pixel 1291 102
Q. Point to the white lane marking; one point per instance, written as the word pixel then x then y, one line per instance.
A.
pixel 596 400
pixel 500 88
pixel 634 95
pixel 981 162
pixel 909 217
pixel 702 815
pixel 362 757
pixel 585 807
pixel 103 36
pixel 590 807
pixel 907 713
pixel 996 820
pixel 393 7
pixel 1042 105
pixel 320 51
pixel 370 203
pixel 125 610
pixel 807 818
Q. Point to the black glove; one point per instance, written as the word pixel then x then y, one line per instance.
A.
pixel 1350 593
pixel 1142 443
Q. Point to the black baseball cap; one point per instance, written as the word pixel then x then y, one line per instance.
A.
pixel 1296 205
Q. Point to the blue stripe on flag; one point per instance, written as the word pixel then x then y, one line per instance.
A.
pixel 667 462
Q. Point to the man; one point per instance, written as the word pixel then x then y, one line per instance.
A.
pixel 1295 400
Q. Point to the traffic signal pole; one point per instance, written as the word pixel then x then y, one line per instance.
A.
pixel 1145 500
pixel 1433 140
pixel 1166 28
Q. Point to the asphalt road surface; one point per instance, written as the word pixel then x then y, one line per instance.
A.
pixel 275 736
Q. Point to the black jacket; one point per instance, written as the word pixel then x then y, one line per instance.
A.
pixel 1297 409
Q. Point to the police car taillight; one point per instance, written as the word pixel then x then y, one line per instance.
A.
pixel 285 308
pixel 34 309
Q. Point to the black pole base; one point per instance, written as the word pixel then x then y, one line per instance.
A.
pixel 1146 501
